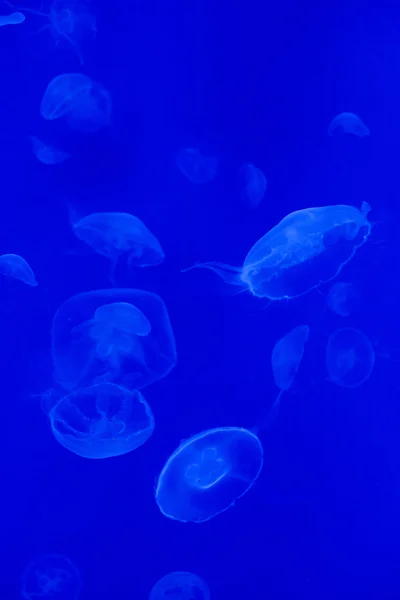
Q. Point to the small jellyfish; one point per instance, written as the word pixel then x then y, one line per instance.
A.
pixel 46 154
pixel 252 184
pixel 342 298
pixel 348 123
pixel 306 248
pixel 14 19
pixel 207 473
pixel 15 266
pixel 349 358
pixel 101 421
pixel 196 167
pixel 180 585
pixel 50 577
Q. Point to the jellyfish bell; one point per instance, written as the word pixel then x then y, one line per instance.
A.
pixel 196 167
pixel 252 184
pixel 342 298
pixel 349 357
pixel 348 123
pixel 50 576
pixel 124 316
pixel 180 585
pixel 17 267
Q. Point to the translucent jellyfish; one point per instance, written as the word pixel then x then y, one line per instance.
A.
pixel 96 343
pixel 350 357
pixel 14 19
pixel 101 421
pixel 306 248
pixel 180 585
pixel 85 104
pixel 252 184
pixel 348 123
pixel 207 473
pixel 15 266
pixel 342 298
pixel 50 577
pixel 197 168
pixel 46 154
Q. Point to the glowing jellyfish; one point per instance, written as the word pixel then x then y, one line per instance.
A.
pixel 15 266
pixel 96 338
pixel 207 473
pixel 50 577
pixel 342 298
pixel 14 19
pixel 348 123
pixel 306 248
pixel 46 154
pixel 350 357
pixel 196 167
pixel 101 421
pixel 180 585
pixel 252 184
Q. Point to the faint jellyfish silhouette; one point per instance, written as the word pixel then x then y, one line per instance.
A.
pixel 14 19
pixel 306 248
pixel 180 585
pixel 350 357
pixel 342 298
pixel 252 184
pixel 196 167
pixel 50 576
pixel 206 474
pixel 92 343
pixel 101 421
pixel 46 154
pixel 348 123
pixel 15 266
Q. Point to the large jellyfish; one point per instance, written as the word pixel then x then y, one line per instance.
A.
pixel 342 298
pixel 207 473
pixel 180 585
pixel 47 154
pixel 306 248
pixel 196 167
pixel 348 123
pixel 101 421
pixel 50 577
pixel 350 357
pixel 15 266
pixel 252 184
pixel 119 335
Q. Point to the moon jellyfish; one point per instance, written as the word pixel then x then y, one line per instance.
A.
pixel 348 123
pixel 252 184
pixel 15 266
pixel 101 421
pixel 350 357
pixel 207 473
pixel 306 248
pixel 195 166
pixel 46 154
pixel 342 298
pixel 180 585
pixel 50 577
pixel 14 19
pixel 118 335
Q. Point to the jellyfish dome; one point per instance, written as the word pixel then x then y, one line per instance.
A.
pixel 50 577
pixel 101 421
pixel 207 473
pixel 350 357
pixel 342 298
pixel 117 335
pixel 180 585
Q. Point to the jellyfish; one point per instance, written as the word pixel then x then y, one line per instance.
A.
pixel 252 184
pixel 206 474
pixel 14 19
pixel 46 154
pixel 50 577
pixel 15 266
pixel 348 123
pixel 196 167
pixel 117 335
pixel 342 298
pixel 349 358
pixel 180 585
pixel 306 248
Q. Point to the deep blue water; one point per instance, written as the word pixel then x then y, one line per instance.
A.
pixel 245 82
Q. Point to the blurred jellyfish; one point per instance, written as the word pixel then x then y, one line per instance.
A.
pixel 180 585
pixel 101 421
pixel 14 19
pixel 348 123
pixel 350 357
pixel 342 298
pixel 306 248
pixel 46 154
pixel 119 335
pixel 50 577
pixel 207 473
pixel 252 184
pixel 85 104
pixel 15 266
pixel 197 168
